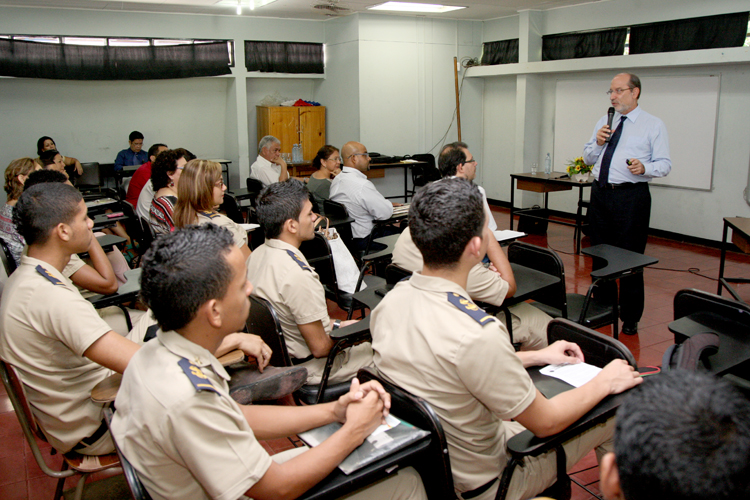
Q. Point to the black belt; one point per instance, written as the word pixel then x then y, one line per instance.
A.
pixel 478 491
pixel 299 361
pixel 625 185
pixel 88 441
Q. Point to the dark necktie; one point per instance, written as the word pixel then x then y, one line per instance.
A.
pixel 607 159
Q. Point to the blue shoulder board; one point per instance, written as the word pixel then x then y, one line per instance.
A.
pixel 49 277
pixel 299 261
pixel 470 308
pixel 196 376
pixel 210 215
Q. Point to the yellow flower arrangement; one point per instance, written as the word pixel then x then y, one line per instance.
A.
pixel 578 166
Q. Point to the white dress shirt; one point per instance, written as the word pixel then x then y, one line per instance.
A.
pixel 265 171
pixel 644 137
pixel 361 199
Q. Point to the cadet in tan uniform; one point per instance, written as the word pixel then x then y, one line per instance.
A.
pixel 175 420
pixel 200 192
pixel 53 336
pixel 281 275
pixel 432 340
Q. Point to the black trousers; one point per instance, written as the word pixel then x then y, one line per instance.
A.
pixel 620 217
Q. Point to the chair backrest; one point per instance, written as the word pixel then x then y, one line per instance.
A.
pixel 424 174
pixel 317 251
pixel 135 485
pixel 335 210
pixel 91 176
pixel 418 412
pixel 254 187
pixel 232 209
pixel 134 228
pixel 146 225
pixel 690 300
pixel 394 274
pixel 546 261
pixel 7 257
pixel 597 348
pixel 262 321
pixel 17 394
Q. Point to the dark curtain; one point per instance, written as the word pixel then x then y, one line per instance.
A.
pixel 81 62
pixel 712 32
pixel 284 57
pixel 500 52
pixel 610 42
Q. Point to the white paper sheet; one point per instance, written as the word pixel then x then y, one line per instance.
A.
pixel 507 234
pixel 575 375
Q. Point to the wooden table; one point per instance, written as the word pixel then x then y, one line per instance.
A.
pixel 740 237
pixel 549 183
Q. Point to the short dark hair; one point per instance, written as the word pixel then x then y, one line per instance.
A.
pixel 279 202
pixel 135 135
pixel 40 144
pixel 48 157
pixel 44 177
pixel 183 270
pixel 323 154
pixel 451 156
pixel 153 150
pixel 444 216
pixel 683 435
pixel 42 207
pixel 635 83
pixel 165 164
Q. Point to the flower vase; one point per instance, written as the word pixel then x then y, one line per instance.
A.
pixel 582 177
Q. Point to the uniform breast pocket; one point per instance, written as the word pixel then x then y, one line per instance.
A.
pixel 639 147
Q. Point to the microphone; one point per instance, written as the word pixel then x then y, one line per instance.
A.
pixel 610 117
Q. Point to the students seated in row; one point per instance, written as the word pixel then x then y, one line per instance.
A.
pixel 680 435
pixel 282 275
pixel 491 284
pixel 431 339
pixel 73 167
pixel 269 167
pixel 54 337
pixel 175 420
pixel 328 164
pixel 201 191
pixel 133 155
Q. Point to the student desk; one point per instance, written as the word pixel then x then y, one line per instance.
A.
pixel 740 237
pixel 548 183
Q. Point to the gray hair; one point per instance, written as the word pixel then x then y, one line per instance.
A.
pixel 266 141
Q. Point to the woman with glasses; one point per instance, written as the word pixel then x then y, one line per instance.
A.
pixel 200 193
pixel 328 163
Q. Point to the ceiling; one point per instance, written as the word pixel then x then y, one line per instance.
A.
pixel 297 9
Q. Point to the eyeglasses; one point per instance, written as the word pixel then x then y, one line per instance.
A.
pixel 470 161
pixel 366 155
pixel 219 183
pixel 334 158
pixel 618 91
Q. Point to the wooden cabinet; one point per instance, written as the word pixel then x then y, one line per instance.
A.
pixel 291 125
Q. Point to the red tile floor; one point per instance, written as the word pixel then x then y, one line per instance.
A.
pixel 20 478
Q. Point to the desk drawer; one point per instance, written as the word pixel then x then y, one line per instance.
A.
pixel 540 187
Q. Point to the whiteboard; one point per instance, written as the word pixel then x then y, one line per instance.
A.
pixel 688 107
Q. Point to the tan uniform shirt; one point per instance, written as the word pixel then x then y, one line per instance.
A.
pixel 45 327
pixel 460 360
pixel 483 284
pixel 239 235
pixel 185 435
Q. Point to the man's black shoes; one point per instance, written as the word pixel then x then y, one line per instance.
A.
pixel 630 328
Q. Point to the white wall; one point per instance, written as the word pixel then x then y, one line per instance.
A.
pixel 694 213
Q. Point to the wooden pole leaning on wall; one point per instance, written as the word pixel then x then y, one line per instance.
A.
pixel 458 103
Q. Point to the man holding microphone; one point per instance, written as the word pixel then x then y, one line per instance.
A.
pixel 628 148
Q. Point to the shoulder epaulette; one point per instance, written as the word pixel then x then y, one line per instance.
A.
pixel 196 376
pixel 210 215
pixel 299 261
pixel 470 308
pixel 48 276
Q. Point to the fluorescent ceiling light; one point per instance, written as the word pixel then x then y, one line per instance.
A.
pixel 251 4
pixel 415 7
